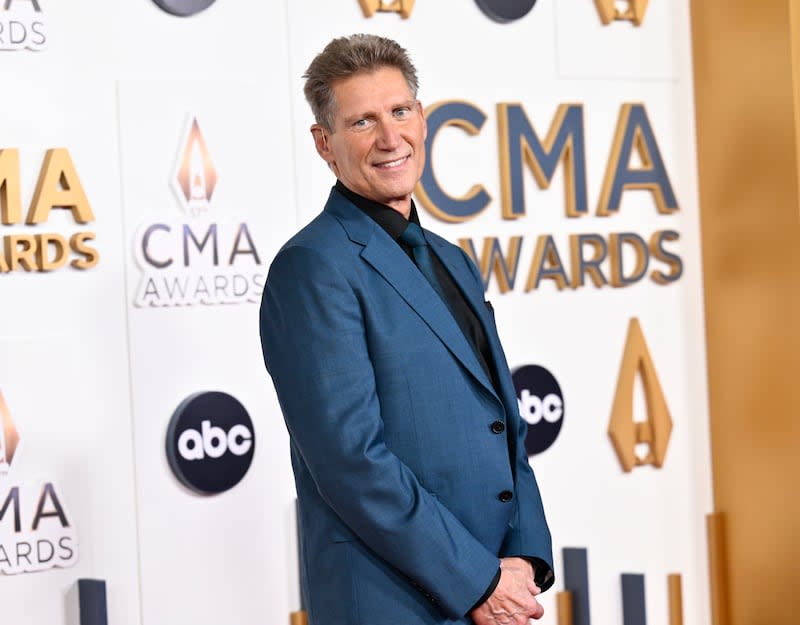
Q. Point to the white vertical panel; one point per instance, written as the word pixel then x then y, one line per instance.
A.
pixel 217 558
pixel 63 355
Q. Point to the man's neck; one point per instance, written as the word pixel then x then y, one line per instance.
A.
pixel 401 206
pixel 390 219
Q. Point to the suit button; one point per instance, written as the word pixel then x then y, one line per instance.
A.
pixel 506 496
pixel 498 427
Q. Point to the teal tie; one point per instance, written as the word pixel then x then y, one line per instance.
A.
pixel 414 237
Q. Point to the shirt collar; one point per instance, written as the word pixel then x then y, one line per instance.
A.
pixel 385 216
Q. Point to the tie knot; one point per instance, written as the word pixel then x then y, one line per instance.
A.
pixel 413 236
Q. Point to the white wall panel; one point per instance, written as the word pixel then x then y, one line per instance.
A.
pixel 654 50
pixel 63 356
pixel 215 558
pixel 93 378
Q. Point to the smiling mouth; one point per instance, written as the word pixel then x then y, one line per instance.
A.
pixel 393 164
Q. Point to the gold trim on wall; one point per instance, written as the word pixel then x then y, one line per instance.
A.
pixel 747 106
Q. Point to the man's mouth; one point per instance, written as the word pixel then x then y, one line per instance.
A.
pixel 392 164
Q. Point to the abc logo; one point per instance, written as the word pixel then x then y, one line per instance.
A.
pixel 210 442
pixel 506 10
pixel 541 404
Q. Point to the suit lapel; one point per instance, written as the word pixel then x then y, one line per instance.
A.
pixel 453 260
pixel 389 260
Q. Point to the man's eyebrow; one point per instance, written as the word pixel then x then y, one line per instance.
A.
pixel 356 116
pixel 410 103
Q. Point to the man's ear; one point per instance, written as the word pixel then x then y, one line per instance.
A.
pixel 321 143
pixel 421 112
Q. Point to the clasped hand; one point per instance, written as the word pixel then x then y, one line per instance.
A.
pixel 513 601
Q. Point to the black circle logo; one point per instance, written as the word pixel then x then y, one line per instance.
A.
pixel 184 8
pixel 504 11
pixel 210 442
pixel 541 404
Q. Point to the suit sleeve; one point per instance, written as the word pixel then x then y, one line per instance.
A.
pixel 314 343
pixel 529 535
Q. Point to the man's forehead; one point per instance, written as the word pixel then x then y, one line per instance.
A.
pixel 378 83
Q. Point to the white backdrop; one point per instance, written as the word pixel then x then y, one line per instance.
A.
pixel 92 379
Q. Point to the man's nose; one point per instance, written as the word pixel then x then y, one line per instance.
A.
pixel 388 137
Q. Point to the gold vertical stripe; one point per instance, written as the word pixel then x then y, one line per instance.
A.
pixel 298 618
pixel 794 22
pixel 717 569
pixel 675 593
pixel 564 607
pixel 747 101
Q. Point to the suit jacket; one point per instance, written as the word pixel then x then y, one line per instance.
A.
pixel 406 494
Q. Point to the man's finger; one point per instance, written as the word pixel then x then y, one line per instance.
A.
pixel 533 588
pixel 538 612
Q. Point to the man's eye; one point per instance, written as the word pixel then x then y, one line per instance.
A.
pixel 361 123
pixel 402 112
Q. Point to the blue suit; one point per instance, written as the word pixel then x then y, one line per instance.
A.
pixel 398 469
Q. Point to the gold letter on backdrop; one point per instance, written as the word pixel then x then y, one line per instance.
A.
pixel 10 202
pixel 493 260
pixel 403 7
pixel 59 186
pixel 634 133
pixel 609 12
pixel 626 433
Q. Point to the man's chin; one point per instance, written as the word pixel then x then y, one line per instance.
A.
pixel 396 192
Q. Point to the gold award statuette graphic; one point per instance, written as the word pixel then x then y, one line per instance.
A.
pixel 626 433
pixel 609 11
pixel 403 7
pixel 195 177
pixel 9 437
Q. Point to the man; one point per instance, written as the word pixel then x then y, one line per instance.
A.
pixel 417 505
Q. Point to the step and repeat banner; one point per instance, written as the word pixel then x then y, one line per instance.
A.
pixel 154 156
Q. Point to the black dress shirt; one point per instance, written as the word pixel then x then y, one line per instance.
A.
pixel 395 224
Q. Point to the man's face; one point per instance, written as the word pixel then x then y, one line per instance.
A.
pixel 377 145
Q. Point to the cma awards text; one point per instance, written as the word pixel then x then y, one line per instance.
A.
pixel 58 187
pixel 35 531
pixel 634 170
pixel 201 262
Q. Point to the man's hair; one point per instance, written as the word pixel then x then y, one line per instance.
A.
pixel 346 56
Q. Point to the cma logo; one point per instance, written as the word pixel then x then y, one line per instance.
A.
pixel 541 405
pixel 639 442
pixel 50 538
pixel 205 257
pixel 35 529
pixel 635 166
pixel 210 442
pixel 499 10
pixel 58 187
